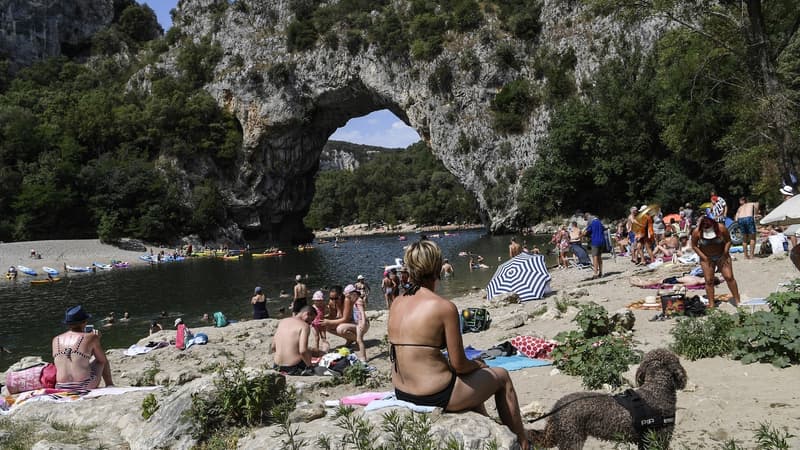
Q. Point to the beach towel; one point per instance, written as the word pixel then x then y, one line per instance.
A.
pixel 533 347
pixel 115 390
pixel 472 352
pixel 134 350
pixel 516 362
pixel 365 398
pixel 395 403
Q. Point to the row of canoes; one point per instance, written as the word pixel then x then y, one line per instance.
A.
pixel 52 273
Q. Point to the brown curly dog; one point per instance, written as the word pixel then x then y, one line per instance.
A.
pixel 577 416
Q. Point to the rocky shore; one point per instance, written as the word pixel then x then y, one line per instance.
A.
pixel 362 229
pixel 724 399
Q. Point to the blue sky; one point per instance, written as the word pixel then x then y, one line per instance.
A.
pixel 380 128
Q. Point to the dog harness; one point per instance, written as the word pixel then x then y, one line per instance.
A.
pixel 645 417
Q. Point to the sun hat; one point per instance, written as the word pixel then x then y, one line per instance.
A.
pixel 318 296
pixel 178 321
pixel 76 314
pixel 349 289
pixel 258 290
pixel 297 277
pixel 650 300
pixel 787 190
pixel 360 277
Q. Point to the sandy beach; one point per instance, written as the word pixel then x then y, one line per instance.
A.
pixel 56 253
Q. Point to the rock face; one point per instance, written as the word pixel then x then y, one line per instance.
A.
pixel 289 103
pixel 31 30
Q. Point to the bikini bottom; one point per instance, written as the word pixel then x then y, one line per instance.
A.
pixel 439 399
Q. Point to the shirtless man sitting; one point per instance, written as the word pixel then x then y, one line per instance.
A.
pixel 290 343
pixel 79 358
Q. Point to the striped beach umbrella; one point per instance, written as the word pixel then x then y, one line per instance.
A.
pixel 525 274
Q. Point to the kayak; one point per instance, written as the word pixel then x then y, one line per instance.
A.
pixel 120 264
pixel 46 281
pixel 102 266
pixel 78 269
pixel 27 270
pixel 231 257
pixel 50 270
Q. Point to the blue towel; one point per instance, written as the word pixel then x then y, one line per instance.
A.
pixel 471 352
pixel 516 362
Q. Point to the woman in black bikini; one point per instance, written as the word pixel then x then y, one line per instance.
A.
pixel 712 243
pixel 422 323
pixel 73 352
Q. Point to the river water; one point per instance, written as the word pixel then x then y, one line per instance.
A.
pixel 32 314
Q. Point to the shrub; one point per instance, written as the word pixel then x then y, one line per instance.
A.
pixel 467 15
pixel 441 80
pixel 596 357
pixel 281 73
pixel 704 337
pixel 149 406
pixel 770 336
pixel 300 35
pixel 599 360
pixel 512 105
pixel 353 41
pixel 505 57
pixel 593 320
pixel 240 399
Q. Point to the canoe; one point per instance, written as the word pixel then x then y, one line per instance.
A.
pixel 270 254
pixel 231 257
pixel 27 270
pixel 102 266
pixel 50 270
pixel 78 269
pixel 46 281
pixel 120 264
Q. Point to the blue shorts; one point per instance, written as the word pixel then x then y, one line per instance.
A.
pixel 747 225
pixel 631 237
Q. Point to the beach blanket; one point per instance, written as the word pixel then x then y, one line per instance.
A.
pixel 65 395
pixel 365 398
pixel 472 352
pixel 516 362
pixel 114 390
pixel 533 347
pixel 693 287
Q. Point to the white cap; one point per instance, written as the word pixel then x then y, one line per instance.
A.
pixel 360 277
pixel 297 277
pixel 318 296
pixel 178 321
pixel 349 289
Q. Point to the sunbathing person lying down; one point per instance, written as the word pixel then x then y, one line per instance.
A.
pixel 686 280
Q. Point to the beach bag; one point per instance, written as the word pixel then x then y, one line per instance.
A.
pixel 475 320
pixel 694 307
pixel 182 336
pixel 31 378
pixel 672 303
pixel 220 320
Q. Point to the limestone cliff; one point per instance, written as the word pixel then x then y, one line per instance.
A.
pixel 31 30
pixel 339 155
pixel 289 101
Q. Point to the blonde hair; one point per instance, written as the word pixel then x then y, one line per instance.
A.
pixel 423 260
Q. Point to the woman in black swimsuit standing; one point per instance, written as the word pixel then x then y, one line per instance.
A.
pixel 422 323
pixel 712 243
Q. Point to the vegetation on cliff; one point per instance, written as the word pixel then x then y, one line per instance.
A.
pixel 78 148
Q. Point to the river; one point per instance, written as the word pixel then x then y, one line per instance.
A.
pixel 33 314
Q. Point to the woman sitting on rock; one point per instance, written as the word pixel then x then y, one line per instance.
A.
pixel 422 323
pixel 79 358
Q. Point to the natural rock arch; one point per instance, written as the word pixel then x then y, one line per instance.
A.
pixel 289 103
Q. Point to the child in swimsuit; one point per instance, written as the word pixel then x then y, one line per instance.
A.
pixel 319 330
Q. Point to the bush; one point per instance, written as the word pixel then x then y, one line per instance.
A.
pixel 240 399
pixel 505 57
pixel 512 106
pixel 597 357
pixel 300 35
pixel 770 336
pixel 467 16
pixel 599 360
pixel 704 337
pixel 441 80
pixel 149 406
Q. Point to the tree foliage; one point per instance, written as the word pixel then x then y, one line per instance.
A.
pixel 78 148
pixel 410 185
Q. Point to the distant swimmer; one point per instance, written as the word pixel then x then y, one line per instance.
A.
pixel 514 248
pixel 447 269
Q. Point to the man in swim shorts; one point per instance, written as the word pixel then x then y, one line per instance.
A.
pixel 290 343
pixel 300 297
pixel 746 217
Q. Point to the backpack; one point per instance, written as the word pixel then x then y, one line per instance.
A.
pixel 694 307
pixel 220 320
pixel 475 320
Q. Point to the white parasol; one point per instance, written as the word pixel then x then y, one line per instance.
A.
pixel 787 213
